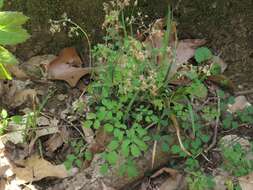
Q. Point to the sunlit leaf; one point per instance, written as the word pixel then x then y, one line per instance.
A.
pixel 202 54
pixel 11 31
pixel 6 57
pixel 4 114
pixel 135 150
pixel 4 74
pixel 112 157
pixel 113 145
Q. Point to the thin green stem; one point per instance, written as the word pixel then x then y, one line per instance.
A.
pixel 130 105
pixel 83 32
pixel 87 38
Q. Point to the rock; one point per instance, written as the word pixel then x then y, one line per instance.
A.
pixel 239 104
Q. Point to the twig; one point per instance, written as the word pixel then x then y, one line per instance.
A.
pixel 76 128
pixel 150 125
pixel 204 156
pixel 176 126
pixel 154 154
pixel 244 92
pixel 215 127
pixel 192 119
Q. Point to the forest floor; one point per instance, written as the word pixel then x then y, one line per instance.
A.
pixel 58 132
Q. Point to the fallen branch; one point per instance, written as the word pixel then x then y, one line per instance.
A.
pixel 244 92
pixel 91 178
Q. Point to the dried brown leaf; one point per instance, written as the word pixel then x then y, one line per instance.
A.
pixel 54 142
pixel 222 81
pixel 174 181
pixel 23 96
pixel 35 168
pixel 15 137
pixel 67 67
pixel 184 49
pixel 105 187
pixel 42 132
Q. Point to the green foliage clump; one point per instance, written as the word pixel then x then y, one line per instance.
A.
pixel 11 33
pixel 131 93
pixel 5 119
pixel 235 160
pixel 199 181
pixel 78 155
pixel 203 54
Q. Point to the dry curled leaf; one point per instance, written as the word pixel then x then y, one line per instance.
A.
pixel 42 132
pixel 184 49
pixel 15 137
pixel 54 142
pixel 35 168
pixel 24 96
pixel 222 81
pixel 67 67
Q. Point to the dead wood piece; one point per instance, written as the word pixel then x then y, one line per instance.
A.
pixel 91 179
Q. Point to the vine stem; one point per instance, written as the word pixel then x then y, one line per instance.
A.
pixel 130 105
pixel 176 126
pixel 87 38
pixel 83 32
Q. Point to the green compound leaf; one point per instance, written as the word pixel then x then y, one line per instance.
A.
pixel 215 69
pixel 104 168
pixel 175 149
pixel 118 134
pixel 113 145
pixel 141 144
pixel 125 148
pixel 132 171
pixel 96 124
pixel 198 90
pixel 112 157
pixel 108 127
pixel 88 155
pixel 4 114
pixel 90 116
pixel 11 31
pixel 202 54
pixel 68 164
pixel 17 119
pixel 135 151
pixel 6 57
pixel 78 163
pixel 87 124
